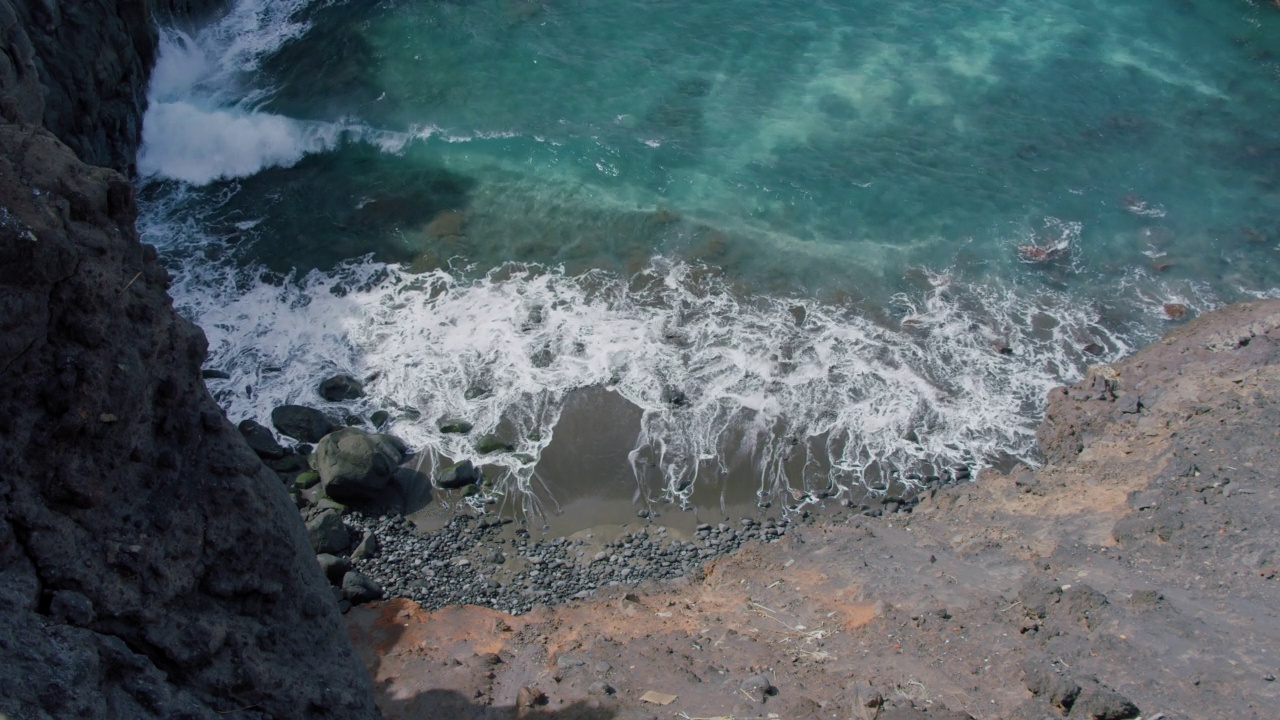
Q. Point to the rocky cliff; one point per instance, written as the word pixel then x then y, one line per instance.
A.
pixel 150 566
pixel 80 69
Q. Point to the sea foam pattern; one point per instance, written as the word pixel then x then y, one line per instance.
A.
pixel 716 376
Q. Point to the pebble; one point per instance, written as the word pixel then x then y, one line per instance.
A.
pixel 462 561
pixel 454 564
pixel 758 687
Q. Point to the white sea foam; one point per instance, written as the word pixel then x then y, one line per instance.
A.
pixel 201 125
pixel 188 143
pixel 716 375
pixel 196 145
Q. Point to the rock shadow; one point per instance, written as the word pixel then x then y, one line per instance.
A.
pixel 385 635
pixel 450 705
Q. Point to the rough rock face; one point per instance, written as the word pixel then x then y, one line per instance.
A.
pixel 1185 369
pixel 150 566
pixel 80 69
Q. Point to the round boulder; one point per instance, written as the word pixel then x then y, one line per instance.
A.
pixel 334 567
pixel 457 476
pixel 341 387
pixel 301 422
pixel 357 588
pixel 355 466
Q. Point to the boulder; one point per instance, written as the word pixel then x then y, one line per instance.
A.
pixel 357 588
pixel 341 387
pixel 328 534
pixel 413 484
pixel 301 422
pixel 334 566
pixel 261 440
pixel 291 462
pixel 367 549
pixel 458 475
pixel 355 466
pixel 146 553
pixel 492 444
pixel 1046 682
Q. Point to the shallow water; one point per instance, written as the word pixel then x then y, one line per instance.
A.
pixel 787 235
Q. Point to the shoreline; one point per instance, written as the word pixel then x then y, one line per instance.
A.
pixel 1135 575
pixel 153 567
pixel 459 555
pixel 496 563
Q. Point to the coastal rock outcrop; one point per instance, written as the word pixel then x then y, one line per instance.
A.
pixel 80 69
pixel 1183 370
pixel 150 565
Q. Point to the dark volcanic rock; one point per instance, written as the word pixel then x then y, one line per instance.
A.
pixel 341 387
pixel 459 475
pixel 301 422
pixel 327 533
pixel 1099 702
pixel 1045 681
pixel 357 588
pixel 150 566
pixel 80 69
pixel 334 567
pixel 261 440
pixel 356 466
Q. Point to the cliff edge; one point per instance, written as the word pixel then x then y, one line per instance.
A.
pixel 150 566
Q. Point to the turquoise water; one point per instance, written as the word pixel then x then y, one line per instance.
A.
pixel 809 219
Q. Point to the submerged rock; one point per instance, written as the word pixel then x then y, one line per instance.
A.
pixel 341 387
pixel 492 444
pixel 455 427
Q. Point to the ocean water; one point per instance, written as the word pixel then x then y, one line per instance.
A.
pixel 814 247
